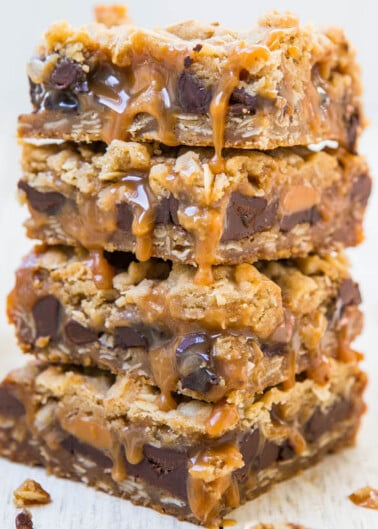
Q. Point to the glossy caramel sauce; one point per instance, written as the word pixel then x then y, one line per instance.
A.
pixel 366 497
pixel 223 417
pixel 102 271
pixel 204 493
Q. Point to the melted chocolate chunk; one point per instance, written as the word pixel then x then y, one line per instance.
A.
pixel 126 337
pixel 200 380
pixel 68 74
pixel 78 334
pixel 24 520
pixel 248 446
pixel 165 468
pixel 352 123
pixel 65 102
pixel 73 446
pixel 267 457
pixel 242 102
pixel 349 293
pixel 272 349
pixel 188 61
pixel 311 215
pixel 9 405
pixel 193 97
pixel 36 92
pixel 124 217
pixel 361 189
pixel 246 216
pixel 118 259
pixel 46 315
pixel 320 422
pixel 48 203
pixel 286 451
pixel 166 211
pixel 198 47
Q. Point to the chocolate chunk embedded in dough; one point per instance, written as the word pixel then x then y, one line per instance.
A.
pixel 79 334
pixel 349 293
pixel 200 380
pixel 48 203
pixel 9 405
pixel 163 467
pixel 193 97
pixel 124 217
pixel 68 74
pixel 126 337
pixel 361 189
pixel 246 216
pixel 46 314
pixel 311 215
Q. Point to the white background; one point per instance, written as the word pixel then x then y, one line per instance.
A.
pixel 318 497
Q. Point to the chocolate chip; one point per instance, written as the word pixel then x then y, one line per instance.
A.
pixel 126 337
pixel 36 92
pixel 118 259
pixel 198 47
pixel 352 123
pixel 73 446
pixel 349 293
pixel 66 73
pixel 9 405
pixel 267 457
pixel 272 349
pixel 124 217
pixel 60 101
pixel 24 520
pixel 320 422
pixel 361 189
pixel 200 380
pixel 79 334
pixel 46 315
pixel 164 468
pixel 166 211
pixel 286 451
pixel 188 61
pixel 48 203
pixel 242 102
pixel 249 445
pixel 311 215
pixel 246 216
pixel 193 97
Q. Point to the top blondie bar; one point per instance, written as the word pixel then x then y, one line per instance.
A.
pixel 278 84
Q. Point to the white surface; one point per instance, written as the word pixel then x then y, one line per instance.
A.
pixel 317 498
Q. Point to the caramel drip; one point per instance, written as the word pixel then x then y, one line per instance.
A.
pixel 235 374
pixel 102 271
pixel 134 439
pixel 206 224
pixel 320 370
pixel 206 494
pixel 292 354
pixel 239 59
pixel 223 417
pixel 143 203
pixel 164 372
pixel 119 472
pixel 148 86
pixel 366 497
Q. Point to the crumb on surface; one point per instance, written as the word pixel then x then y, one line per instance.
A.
pixel 30 493
pixel 24 520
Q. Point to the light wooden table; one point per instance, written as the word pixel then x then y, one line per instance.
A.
pixel 317 498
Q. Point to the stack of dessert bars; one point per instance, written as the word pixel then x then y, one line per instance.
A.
pixel 188 306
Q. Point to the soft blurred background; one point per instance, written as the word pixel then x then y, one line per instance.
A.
pixel 322 493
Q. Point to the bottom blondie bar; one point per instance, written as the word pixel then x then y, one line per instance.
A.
pixel 196 462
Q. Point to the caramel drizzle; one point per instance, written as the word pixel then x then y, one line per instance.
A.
pixel 222 417
pixel 143 204
pixel 282 427
pixel 102 271
pixel 204 496
pixel 240 58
